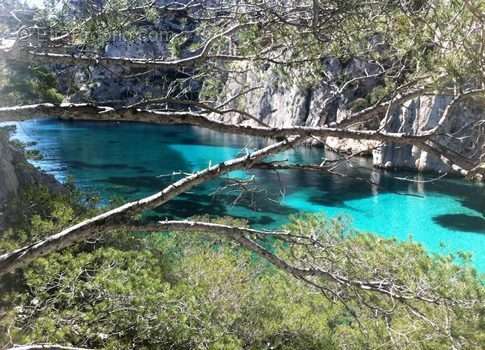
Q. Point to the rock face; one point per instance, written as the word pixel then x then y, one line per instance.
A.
pixel 16 173
pixel 277 104
pixel 424 113
pixel 119 86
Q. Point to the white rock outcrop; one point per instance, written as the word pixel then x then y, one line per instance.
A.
pixel 278 104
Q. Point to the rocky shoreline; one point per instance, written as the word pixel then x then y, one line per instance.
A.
pixel 16 173
pixel 279 104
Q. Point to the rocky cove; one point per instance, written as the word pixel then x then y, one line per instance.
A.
pixel 281 105
pixel 219 174
pixel 129 161
pixel 276 103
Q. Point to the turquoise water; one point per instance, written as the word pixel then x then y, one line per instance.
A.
pixel 133 160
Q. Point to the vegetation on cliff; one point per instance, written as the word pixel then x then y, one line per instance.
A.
pixel 75 274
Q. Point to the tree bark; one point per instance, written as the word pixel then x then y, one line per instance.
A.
pixel 119 216
pixel 103 113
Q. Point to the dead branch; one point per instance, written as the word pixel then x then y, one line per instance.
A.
pixel 103 113
pixel 120 215
pixel 46 347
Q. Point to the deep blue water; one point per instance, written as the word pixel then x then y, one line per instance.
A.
pixel 133 160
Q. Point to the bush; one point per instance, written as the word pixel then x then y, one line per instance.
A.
pixel 201 291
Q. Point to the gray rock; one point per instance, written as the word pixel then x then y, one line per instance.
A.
pixel 16 173
pixel 278 104
pixel 424 113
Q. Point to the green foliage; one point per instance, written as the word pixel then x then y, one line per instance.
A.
pixel 176 44
pixel 366 257
pixel 159 291
pixel 211 88
pixel 28 84
pixel 201 291
pixel 359 104
pixel 38 212
pixel 23 146
pixel 414 43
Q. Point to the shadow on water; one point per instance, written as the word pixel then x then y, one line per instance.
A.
pixel 330 191
pixel 120 157
pixel 195 204
pixel 76 164
pixel 187 206
pixel 461 222
pixel 147 183
pixel 336 191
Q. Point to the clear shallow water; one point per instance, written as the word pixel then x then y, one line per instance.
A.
pixel 133 160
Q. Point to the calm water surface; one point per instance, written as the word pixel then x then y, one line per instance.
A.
pixel 133 160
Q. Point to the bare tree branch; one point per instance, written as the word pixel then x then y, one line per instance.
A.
pixel 100 113
pixel 115 217
pixel 28 55
pixel 46 347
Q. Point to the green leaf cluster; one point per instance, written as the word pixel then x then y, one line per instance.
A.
pixel 201 291
pixel 28 84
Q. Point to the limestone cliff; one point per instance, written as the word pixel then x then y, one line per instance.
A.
pixel 278 104
pixel 119 86
pixel 17 173
pixel 423 113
